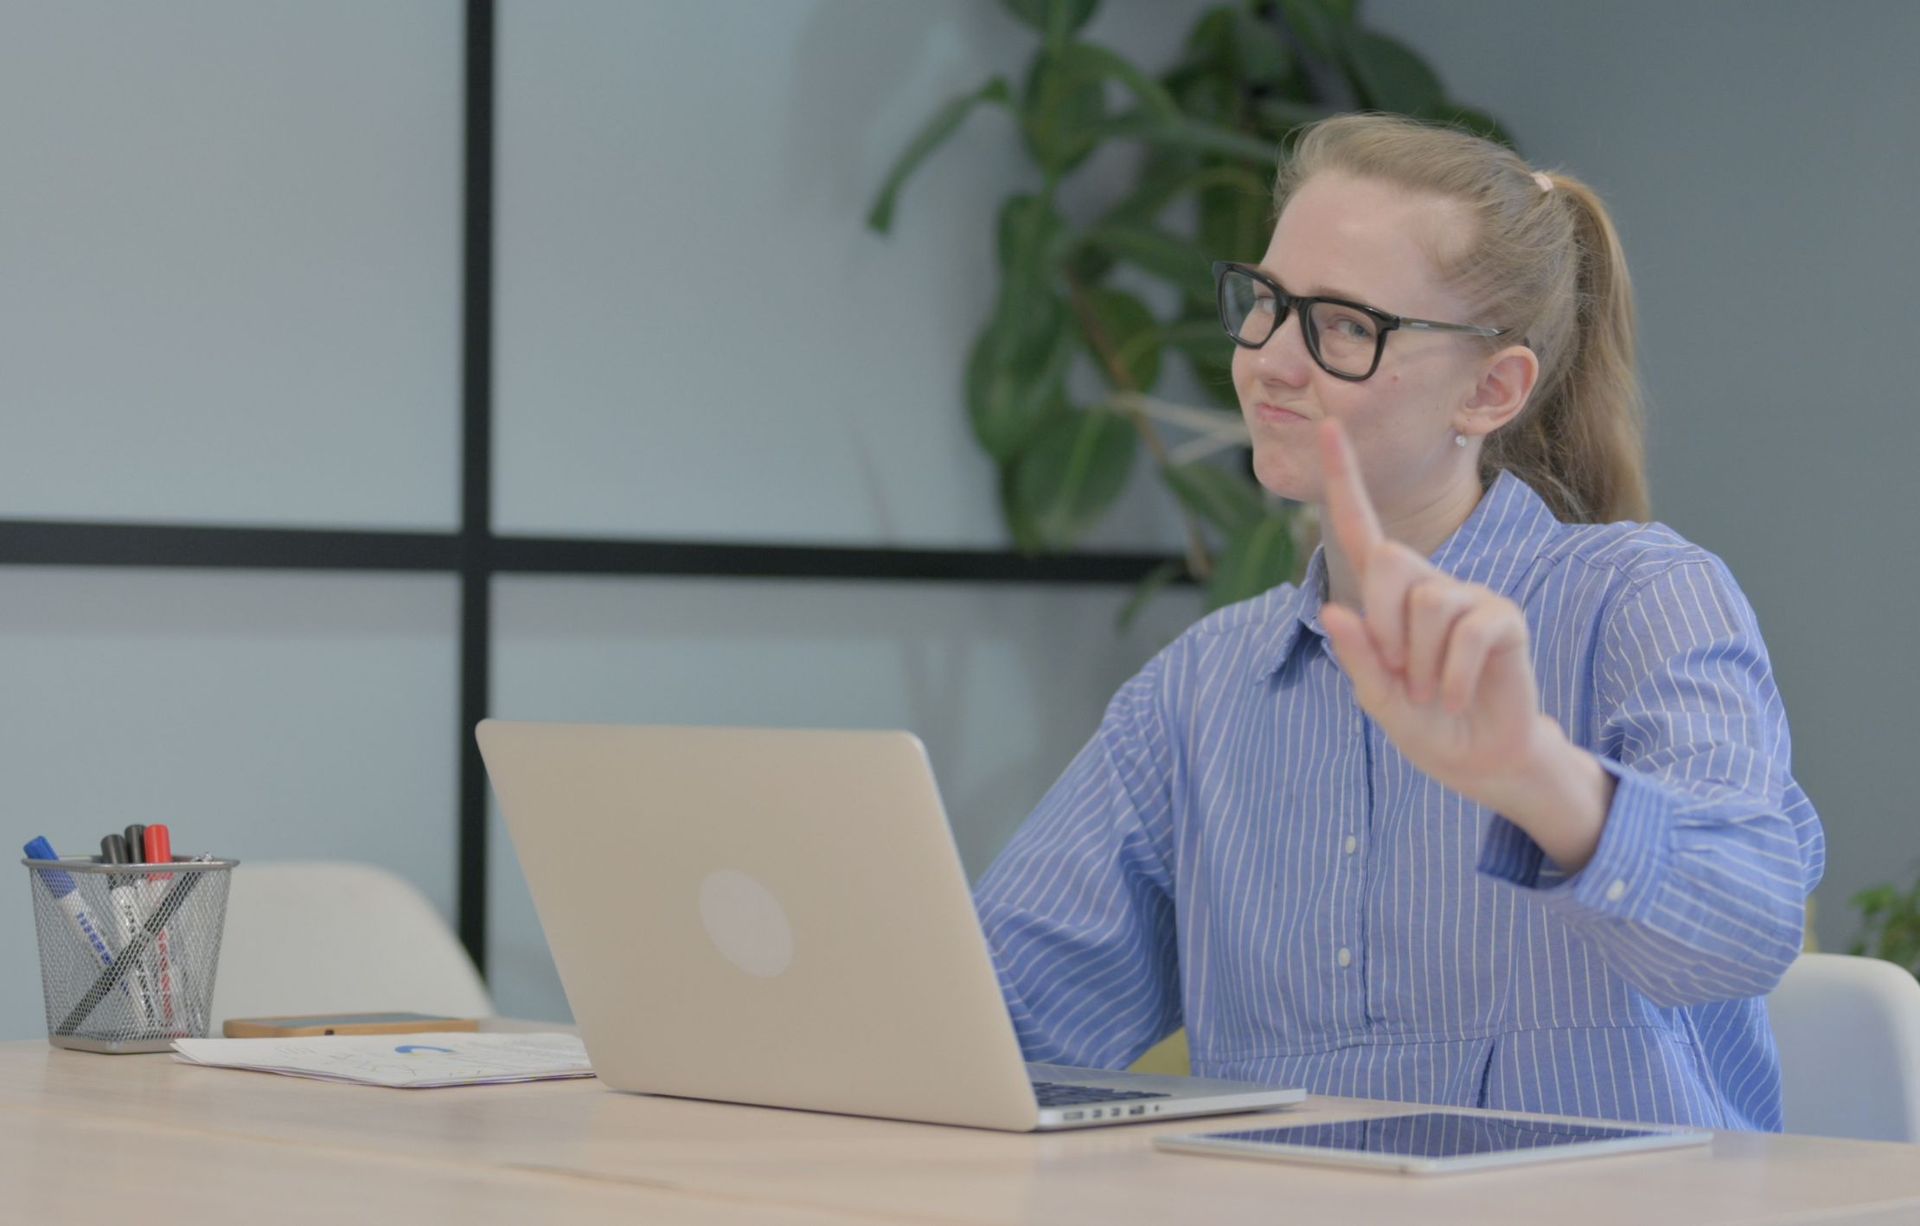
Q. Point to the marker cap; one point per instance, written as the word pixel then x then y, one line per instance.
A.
pixel 59 883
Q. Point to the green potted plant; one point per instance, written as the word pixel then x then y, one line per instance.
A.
pixel 1890 925
pixel 1212 128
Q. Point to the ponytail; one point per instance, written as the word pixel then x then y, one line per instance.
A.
pixel 1581 442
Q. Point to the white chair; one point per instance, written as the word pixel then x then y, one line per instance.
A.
pixel 317 937
pixel 1849 1034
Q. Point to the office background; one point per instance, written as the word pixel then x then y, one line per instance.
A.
pixel 231 274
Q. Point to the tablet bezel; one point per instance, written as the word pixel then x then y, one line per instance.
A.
pixel 1226 1144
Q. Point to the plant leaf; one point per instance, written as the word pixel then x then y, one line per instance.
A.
pixel 1076 467
pixel 1155 251
pixel 1017 369
pixel 1054 18
pixel 1030 237
pixel 1318 24
pixel 1152 584
pixel 1234 222
pixel 1130 331
pixel 1205 94
pixel 1164 175
pixel 1065 111
pixel 1208 351
pixel 1062 112
pixel 1227 500
pixel 1260 56
pixel 1194 135
pixel 1890 924
pixel 1026 536
pixel 1201 330
pixel 1093 60
pixel 1284 115
pixel 1257 556
pixel 1208 52
pixel 1232 51
pixel 1167 175
pixel 1874 900
pixel 945 122
pixel 1389 76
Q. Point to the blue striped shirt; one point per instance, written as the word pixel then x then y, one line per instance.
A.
pixel 1240 850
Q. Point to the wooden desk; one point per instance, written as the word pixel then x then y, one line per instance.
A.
pixel 145 1139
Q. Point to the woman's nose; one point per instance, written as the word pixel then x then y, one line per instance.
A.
pixel 1284 357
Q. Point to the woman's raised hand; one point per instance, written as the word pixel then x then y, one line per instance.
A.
pixel 1442 666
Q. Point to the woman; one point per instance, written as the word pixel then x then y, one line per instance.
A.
pixel 1495 808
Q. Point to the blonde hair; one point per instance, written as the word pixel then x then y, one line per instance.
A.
pixel 1545 264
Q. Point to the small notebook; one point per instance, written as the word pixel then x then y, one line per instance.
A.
pixel 405 1061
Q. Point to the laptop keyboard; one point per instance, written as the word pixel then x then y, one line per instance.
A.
pixel 1057 1094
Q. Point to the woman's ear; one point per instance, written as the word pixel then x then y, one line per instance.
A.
pixel 1505 384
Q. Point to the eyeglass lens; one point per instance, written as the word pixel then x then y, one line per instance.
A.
pixel 1343 340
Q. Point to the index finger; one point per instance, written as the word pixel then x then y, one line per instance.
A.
pixel 1349 510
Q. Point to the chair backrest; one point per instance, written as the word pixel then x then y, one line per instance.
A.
pixel 1849 1035
pixel 320 937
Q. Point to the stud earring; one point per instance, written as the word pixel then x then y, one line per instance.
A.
pixel 1459 440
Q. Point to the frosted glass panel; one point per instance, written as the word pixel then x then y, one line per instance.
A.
pixel 1004 684
pixel 230 270
pixel 697 336
pixel 263 716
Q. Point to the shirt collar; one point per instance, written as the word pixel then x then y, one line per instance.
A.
pixel 1493 548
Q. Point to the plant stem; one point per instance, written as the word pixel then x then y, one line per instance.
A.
pixel 1199 560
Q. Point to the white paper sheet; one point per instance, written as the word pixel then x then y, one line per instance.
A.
pixel 407 1061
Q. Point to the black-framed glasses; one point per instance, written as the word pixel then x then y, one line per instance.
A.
pixel 1345 338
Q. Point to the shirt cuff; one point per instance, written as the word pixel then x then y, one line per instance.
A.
pixel 1625 874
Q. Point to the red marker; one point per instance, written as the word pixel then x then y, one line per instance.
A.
pixel 159 850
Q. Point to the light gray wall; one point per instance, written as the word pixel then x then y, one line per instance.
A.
pixel 1762 160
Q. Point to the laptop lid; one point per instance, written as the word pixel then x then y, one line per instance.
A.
pixel 776 917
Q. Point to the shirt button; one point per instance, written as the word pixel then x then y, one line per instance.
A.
pixel 1346 957
pixel 1616 891
pixel 1352 845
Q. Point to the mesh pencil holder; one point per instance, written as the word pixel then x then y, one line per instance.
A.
pixel 128 951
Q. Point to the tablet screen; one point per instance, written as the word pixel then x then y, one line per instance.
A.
pixel 1434 1134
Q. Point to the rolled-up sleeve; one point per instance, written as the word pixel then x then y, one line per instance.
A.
pixel 1078 908
pixel 1697 890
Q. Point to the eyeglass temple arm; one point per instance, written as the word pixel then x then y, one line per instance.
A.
pixel 1429 325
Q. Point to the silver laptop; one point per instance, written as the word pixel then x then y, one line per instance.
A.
pixel 780 917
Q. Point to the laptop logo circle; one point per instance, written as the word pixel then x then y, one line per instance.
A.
pixel 746 923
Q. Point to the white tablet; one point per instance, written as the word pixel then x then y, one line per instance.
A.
pixel 1434 1142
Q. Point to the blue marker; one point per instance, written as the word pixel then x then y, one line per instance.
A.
pixel 67 895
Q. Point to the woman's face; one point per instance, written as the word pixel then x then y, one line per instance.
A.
pixel 1368 242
